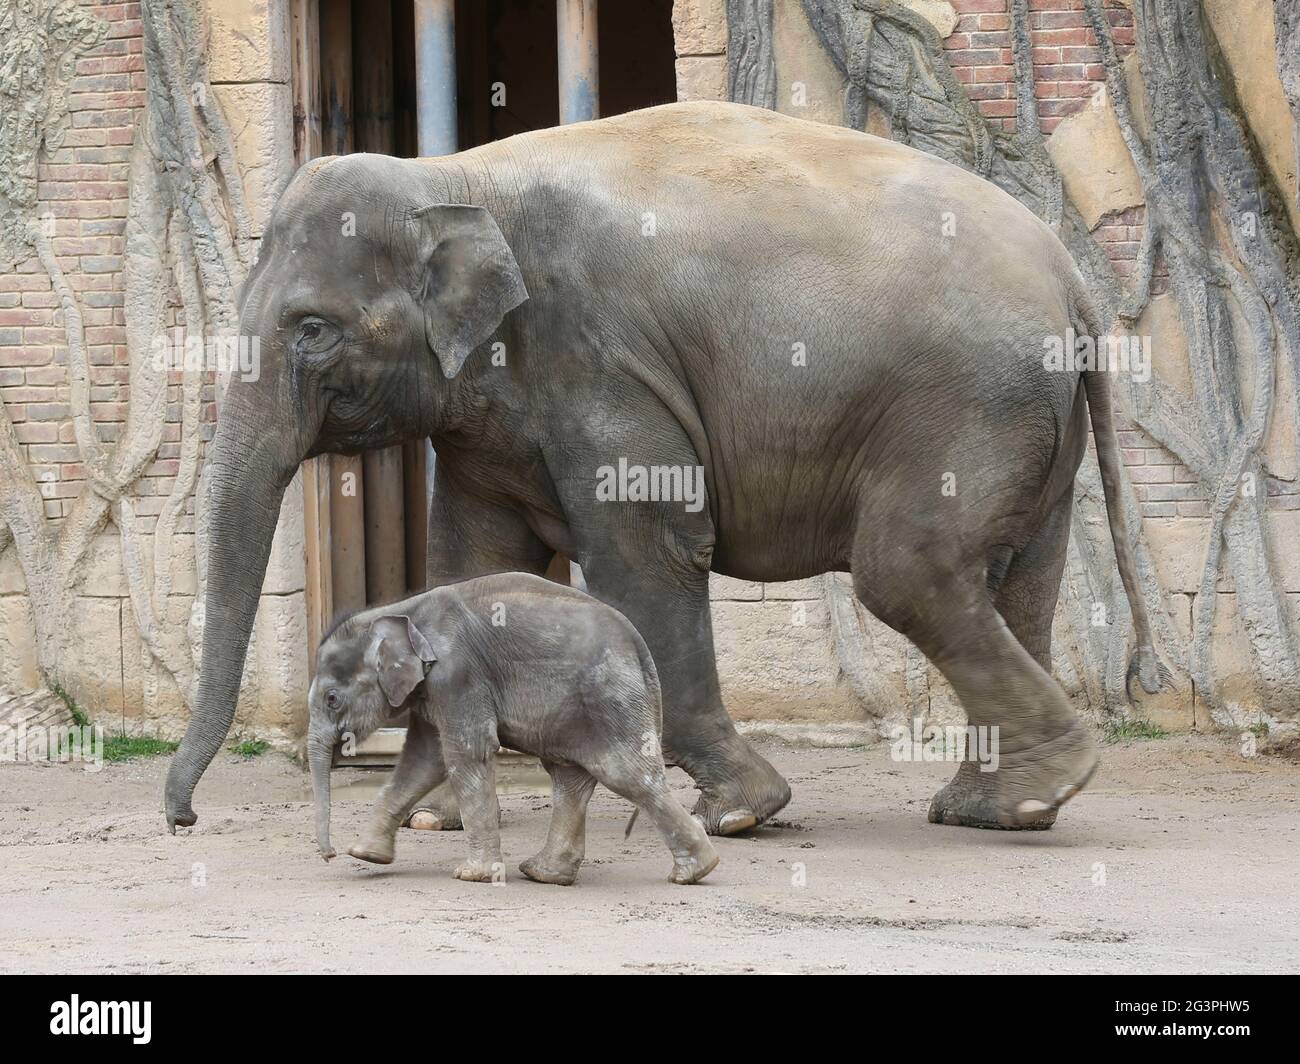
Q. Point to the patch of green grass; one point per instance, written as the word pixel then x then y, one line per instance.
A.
pixel 1121 730
pixel 251 748
pixel 79 716
pixel 1260 730
pixel 128 748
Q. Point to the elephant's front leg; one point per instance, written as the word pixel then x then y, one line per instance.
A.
pixel 419 769
pixel 468 537
pixel 473 778
pixel 667 598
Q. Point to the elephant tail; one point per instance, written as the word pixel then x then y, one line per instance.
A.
pixel 1145 666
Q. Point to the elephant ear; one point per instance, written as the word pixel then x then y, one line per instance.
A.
pixel 471 281
pixel 400 656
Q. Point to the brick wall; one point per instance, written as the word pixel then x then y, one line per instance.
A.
pixel 83 194
pixel 1067 64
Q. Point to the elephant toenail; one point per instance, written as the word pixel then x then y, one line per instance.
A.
pixel 1031 808
pixel 737 820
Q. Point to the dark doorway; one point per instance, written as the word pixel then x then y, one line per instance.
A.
pixel 511 44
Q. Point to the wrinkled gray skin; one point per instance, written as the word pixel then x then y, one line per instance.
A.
pixel 512 660
pixel 649 278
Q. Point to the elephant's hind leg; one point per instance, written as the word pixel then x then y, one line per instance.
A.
pixel 566 842
pixel 646 787
pixel 940 600
pixel 1026 599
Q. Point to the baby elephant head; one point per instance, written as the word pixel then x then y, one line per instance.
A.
pixel 364 673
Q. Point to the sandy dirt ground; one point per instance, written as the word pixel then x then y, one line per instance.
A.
pixel 1183 856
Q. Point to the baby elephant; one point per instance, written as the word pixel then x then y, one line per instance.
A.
pixel 507 660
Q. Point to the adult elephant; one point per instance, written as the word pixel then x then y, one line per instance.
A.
pixel 844 335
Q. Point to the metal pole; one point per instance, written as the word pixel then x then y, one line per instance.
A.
pixel 579 61
pixel 435 105
pixel 435 76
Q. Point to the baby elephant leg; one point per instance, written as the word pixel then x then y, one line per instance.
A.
pixel 474 780
pixel 566 843
pixel 646 787
pixel 419 768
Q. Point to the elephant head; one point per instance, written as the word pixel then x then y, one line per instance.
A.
pixel 369 293
pixel 365 670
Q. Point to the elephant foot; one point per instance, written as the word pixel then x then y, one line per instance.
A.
pixel 434 820
pixel 548 868
pixel 742 797
pixel 372 853
pixel 694 868
pixel 1025 792
pixel 480 871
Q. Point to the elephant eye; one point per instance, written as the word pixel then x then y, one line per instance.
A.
pixel 331 699
pixel 316 336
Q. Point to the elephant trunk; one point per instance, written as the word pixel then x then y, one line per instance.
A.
pixel 320 754
pixel 249 476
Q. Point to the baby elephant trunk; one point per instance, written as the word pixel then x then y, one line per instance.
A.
pixel 320 753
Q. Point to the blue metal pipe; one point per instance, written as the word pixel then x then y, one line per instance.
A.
pixel 435 76
pixel 579 60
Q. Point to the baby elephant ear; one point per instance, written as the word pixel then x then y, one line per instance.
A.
pixel 471 281
pixel 400 656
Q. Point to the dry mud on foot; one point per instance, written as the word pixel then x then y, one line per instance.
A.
pixel 1182 856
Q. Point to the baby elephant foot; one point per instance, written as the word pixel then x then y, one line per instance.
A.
pixel 375 851
pixel 692 869
pixel 480 871
pixel 547 868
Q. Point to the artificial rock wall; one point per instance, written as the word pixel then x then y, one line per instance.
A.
pixel 83 196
